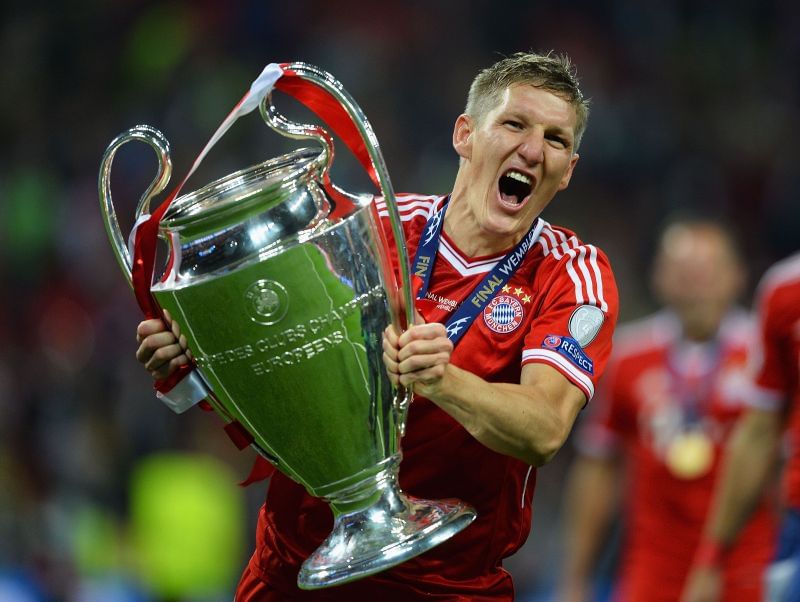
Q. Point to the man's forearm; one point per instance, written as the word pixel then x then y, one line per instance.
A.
pixel 748 465
pixel 528 421
pixel 591 499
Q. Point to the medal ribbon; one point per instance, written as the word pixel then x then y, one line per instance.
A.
pixel 480 296
pixel 693 392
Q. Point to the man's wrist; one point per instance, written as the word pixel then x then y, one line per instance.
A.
pixel 710 553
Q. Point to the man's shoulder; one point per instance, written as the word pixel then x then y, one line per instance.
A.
pixel 778 294
pixel 635 338
pixel 782 278
pixel 567 258
pixel 738 329
pixel 559 243
pixel 655 332
pixel 411 206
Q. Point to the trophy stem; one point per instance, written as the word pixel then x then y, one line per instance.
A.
pixel 391 529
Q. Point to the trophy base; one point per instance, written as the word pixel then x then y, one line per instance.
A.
pixel 390 531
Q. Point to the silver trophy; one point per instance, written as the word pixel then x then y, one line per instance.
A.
pixel 283 286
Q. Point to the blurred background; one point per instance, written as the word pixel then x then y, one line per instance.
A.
pixel 694 107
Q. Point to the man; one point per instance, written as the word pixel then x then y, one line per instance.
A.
pixel 503 399
pixel 671 395
pixel 752 452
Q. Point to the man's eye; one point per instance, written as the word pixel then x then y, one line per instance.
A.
pixel 513 124
pixel 558 140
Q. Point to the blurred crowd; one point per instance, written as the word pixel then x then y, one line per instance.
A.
pixel 694 108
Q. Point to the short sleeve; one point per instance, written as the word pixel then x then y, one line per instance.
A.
pixel 573 329
pixel 769 365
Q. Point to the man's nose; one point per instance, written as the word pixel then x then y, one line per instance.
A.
pixel 531 148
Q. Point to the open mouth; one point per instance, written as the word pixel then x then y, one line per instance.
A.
pixel 515 187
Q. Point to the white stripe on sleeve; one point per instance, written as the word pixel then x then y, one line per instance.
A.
pixel 552 357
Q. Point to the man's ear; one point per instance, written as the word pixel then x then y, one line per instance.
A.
pixel 462 136
pixel 568 173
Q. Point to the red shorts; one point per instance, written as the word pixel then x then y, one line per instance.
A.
pixel 253 589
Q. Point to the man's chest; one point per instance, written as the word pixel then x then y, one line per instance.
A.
pixel 662 402
pixel 494 316
pixel 794 358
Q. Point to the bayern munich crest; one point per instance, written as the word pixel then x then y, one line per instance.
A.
pixel 503 314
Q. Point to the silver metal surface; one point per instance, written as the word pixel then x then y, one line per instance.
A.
pixel 395 527
pixel 283 289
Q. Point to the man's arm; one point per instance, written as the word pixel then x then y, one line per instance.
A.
pixel 529 421
pixel 591 499
pixel 749 462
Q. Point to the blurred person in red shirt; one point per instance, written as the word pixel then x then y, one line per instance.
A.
pixel 503 400
pixel 752 454
pixel 651 443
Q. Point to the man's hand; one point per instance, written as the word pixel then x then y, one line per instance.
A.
pixel 162 351
pixel 704 584
pixel 418 358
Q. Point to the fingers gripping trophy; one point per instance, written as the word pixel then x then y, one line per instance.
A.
pixel 283 284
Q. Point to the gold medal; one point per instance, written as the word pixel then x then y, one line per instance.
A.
pixel 690 454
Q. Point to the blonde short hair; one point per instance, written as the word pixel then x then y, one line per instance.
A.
pixel 550 72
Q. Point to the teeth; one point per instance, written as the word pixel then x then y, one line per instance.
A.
pixel 519 177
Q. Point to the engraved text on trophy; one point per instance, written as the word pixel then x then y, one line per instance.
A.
pixel 293 345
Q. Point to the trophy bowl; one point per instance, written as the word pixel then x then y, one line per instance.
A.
pixel 283 285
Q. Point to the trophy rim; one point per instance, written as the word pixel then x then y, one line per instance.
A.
pixel 231 193
pixel 315 230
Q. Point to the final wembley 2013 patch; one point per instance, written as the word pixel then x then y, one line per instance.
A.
pixel 570 349
pixel 503 314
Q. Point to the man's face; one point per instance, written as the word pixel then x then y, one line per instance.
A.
pixel 516 158
pixel 698 275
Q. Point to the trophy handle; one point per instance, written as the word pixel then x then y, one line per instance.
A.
pixel 300 131
pixel 142 133
pixel 403 310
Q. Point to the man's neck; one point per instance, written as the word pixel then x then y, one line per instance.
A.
pixel 700 330
pixel 465 232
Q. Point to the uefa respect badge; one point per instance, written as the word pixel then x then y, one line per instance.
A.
pixel 570 349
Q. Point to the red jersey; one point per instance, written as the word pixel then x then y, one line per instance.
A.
pixel 777 386
pixel 562 291
pixel 658 387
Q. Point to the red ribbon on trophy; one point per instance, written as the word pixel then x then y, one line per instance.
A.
pixel 145 233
